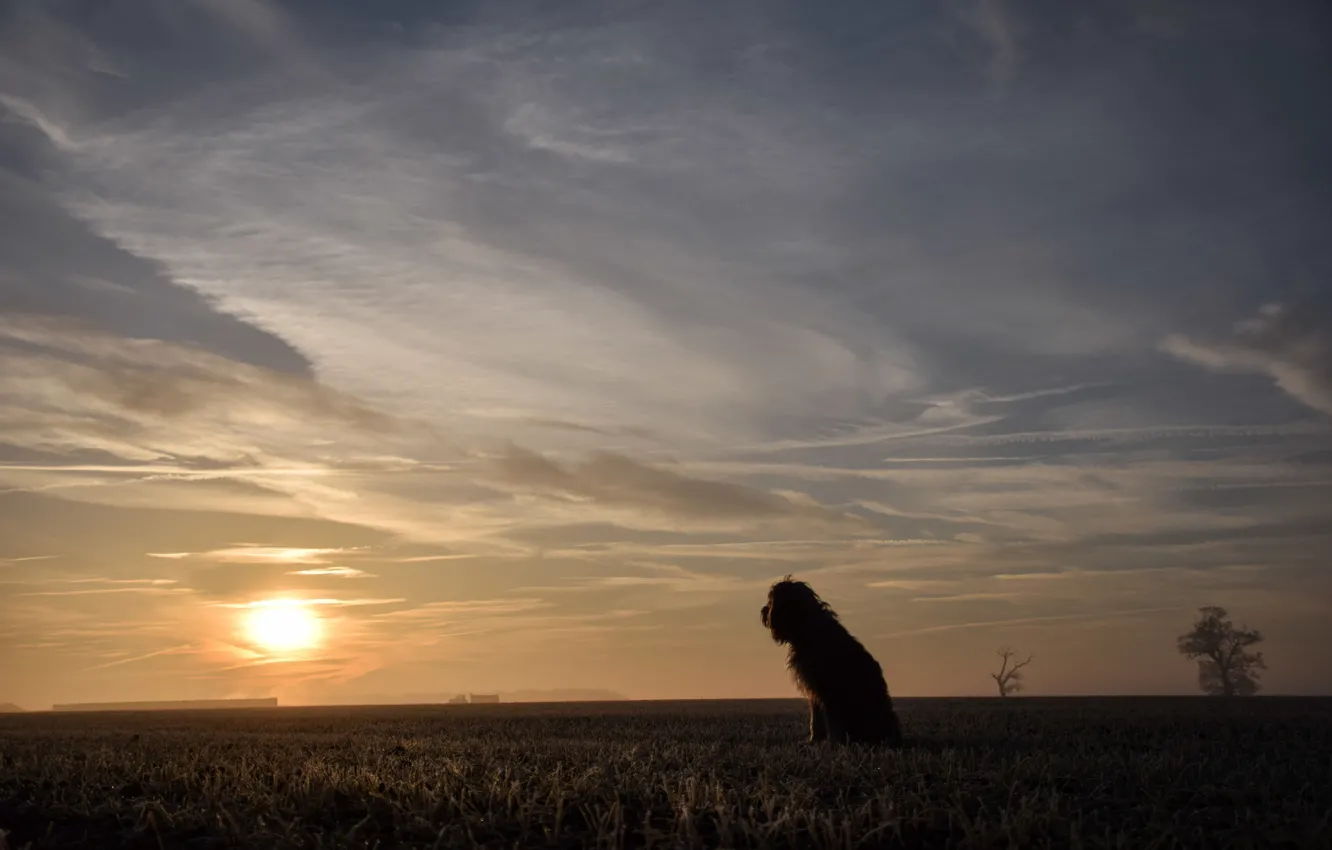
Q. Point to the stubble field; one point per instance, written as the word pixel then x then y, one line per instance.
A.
pixel 1127 773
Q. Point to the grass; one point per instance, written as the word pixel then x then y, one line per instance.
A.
pixel 1126 773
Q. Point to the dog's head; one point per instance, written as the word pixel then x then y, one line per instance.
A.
pixel 792 607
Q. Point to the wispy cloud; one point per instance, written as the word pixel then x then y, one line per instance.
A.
pixel 665 576
pixel 135 581
pixel 146 400
pixel 173 650
pixel 271 555
pixel 1083 617
pixel 302 600
pixel 465 607
pixel 993 22
pixel 339 572
pixel 147 589
pixel 422 559
pixel 965 597
pixel 1292 343
pixel 21 110
pixel 612 480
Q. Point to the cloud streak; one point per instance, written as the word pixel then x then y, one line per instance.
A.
pixel 1291 343
pixel 1034 621
pixel 613 480
pixel 339 572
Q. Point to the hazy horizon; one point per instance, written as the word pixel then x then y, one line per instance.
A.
pixel 397 348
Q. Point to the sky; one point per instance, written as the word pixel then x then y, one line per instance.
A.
pixel 518 347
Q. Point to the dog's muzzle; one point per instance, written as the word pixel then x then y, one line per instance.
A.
pixel 763 615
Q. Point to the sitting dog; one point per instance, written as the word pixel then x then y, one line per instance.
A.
pixel 848 698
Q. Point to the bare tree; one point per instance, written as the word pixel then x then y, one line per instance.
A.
pixel 1009 678
pixel 1225 667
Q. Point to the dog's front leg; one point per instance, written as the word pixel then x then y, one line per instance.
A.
pixel 836 731
pixel 818 722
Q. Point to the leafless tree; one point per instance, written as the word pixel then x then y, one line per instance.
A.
pixel 1225 667
pixel 1009 678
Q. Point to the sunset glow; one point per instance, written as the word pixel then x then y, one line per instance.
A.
pixel 282 626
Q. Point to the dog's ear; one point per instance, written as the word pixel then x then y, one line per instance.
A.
pixel 771 618
pixel 783 609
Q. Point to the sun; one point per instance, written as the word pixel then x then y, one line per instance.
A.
pixel 282 626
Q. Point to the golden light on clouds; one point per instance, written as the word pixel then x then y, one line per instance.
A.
pixel 281 626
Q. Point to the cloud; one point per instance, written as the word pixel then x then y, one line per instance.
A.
pixel 910 584
pixel 66 387
pixel 254 554
pixel 456 608
pixel 1291 343
pixel 968 597
pixel 29 114
pixel 1082 617
pixel 153 589
pixel 515 625
pixel 181 649
pixel 180 426
pixel 640 325
pixel 671 577
pixel 147 581
pixel 299 600
pixel 1123 436
pixel 340 572
pixel 921 418
pixel 151 377
pixel 52 262
pixel 612 480
pixel 537 128
pixel 990 20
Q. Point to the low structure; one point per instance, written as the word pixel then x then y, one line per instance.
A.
pixel 484 699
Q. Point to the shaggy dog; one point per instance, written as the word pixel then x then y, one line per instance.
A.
pixel 848 698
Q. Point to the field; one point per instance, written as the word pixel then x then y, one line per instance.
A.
pixel 1128 773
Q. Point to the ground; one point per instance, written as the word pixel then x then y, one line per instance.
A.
pixel 1122 772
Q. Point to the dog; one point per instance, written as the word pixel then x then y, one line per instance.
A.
pixel 848 697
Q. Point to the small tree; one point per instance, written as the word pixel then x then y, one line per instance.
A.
pixel 1225 666
pixel 1009 678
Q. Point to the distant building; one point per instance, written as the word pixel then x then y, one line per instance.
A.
pixel 172 705
pixel 460 699
pixel 484 699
